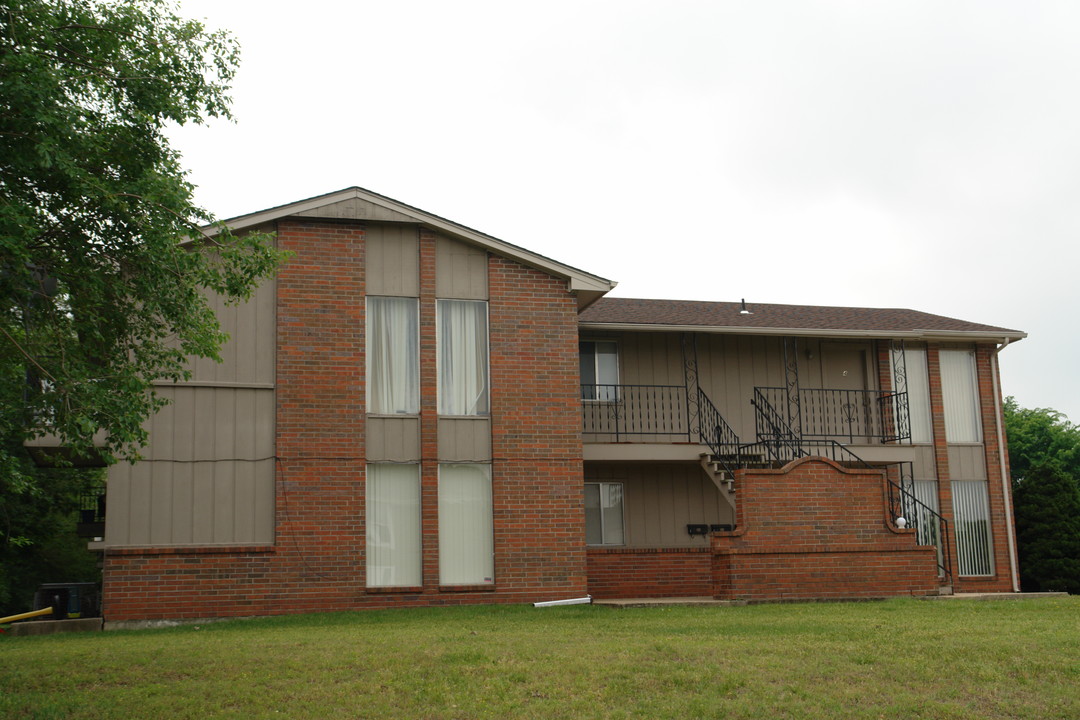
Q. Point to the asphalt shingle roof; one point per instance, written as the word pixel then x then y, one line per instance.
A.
pixel 637 311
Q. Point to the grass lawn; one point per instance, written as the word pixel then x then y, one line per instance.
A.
pixel 895 659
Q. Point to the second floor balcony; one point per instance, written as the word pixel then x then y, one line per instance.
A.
pixel 672 414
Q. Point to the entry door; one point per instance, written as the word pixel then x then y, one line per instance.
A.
pixel 847 411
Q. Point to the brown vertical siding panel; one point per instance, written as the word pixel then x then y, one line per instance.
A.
pixel 118 511
pixel 392 439
pixel 462 440
pixel 224 501
pixel 460 270
pixel 392 258
pixel 242 529
pixel 183 503
pixel 967 462
pixel 202 487
pixel 161 513
pixel 139 504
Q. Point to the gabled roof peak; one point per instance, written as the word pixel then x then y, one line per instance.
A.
pixel 357 203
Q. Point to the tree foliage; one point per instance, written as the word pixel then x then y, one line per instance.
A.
pixel 100 295
pixel 1044 457
pixel 1047 504
pixel 102 279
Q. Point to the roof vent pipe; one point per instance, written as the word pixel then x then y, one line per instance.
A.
pixel 744 311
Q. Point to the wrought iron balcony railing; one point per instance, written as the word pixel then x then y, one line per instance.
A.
pixel 615 413
pixel 850 416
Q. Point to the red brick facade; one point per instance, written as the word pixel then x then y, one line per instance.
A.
pixel 650 572
pixel 815 530
pixel 317 562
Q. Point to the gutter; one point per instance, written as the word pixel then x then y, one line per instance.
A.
pixel 931 335
pixel 1003 448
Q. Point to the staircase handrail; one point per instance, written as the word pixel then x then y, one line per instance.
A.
pixel 779 434
pixel 717 434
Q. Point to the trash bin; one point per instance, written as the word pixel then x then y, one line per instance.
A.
pixel 75 600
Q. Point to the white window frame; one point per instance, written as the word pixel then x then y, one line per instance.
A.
pixel 597 393
pixel 603 488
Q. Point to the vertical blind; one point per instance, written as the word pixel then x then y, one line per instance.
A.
pixel 463 357
pixel 918 390
pixel 466 543
pixel 972 522
pixel 393 525
pixel 393 358
pixel 961 396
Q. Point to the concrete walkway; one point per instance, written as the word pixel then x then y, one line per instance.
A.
pixel 51 627
pixel 998 596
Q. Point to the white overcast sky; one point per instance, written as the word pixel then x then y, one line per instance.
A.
pixel 882 154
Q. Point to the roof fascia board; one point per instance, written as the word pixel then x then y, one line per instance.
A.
pixel 943 335
pixel 579 279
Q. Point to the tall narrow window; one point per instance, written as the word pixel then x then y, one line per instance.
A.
pixel 393 525
pixel 972 521
pixel 961 396
pixel 463 357
pixel 466 542
pixel 393 358
pixel 599 370
pixel 604 513
pixel 918 393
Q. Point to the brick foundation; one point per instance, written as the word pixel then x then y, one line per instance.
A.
pixel 649 572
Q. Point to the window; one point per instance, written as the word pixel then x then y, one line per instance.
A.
pixel 599 370
pixel 393 358
pixel 463 357
pixel 972 521
pixel 466 542
pixel 961 396
pixel 918 393
pixel 393 525
pixel 603 513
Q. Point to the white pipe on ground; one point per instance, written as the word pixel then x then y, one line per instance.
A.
pixel 574 601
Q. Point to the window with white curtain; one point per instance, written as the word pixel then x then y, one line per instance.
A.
pixel 393 525
pixel 604 513
pixel 466 535
pixel 918 393
pixel 971 519
pixel 960 394
pixel 462 330
pixel 393 356
pixel 599 361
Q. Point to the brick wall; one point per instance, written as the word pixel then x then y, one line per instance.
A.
pixel 650 572
pixel 317 562
pixel 815 530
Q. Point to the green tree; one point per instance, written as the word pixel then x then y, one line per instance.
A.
pixel 1044 457
pixel 1047 504
pixel 101 290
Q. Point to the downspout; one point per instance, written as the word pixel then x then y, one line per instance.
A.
pixel 1006 490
